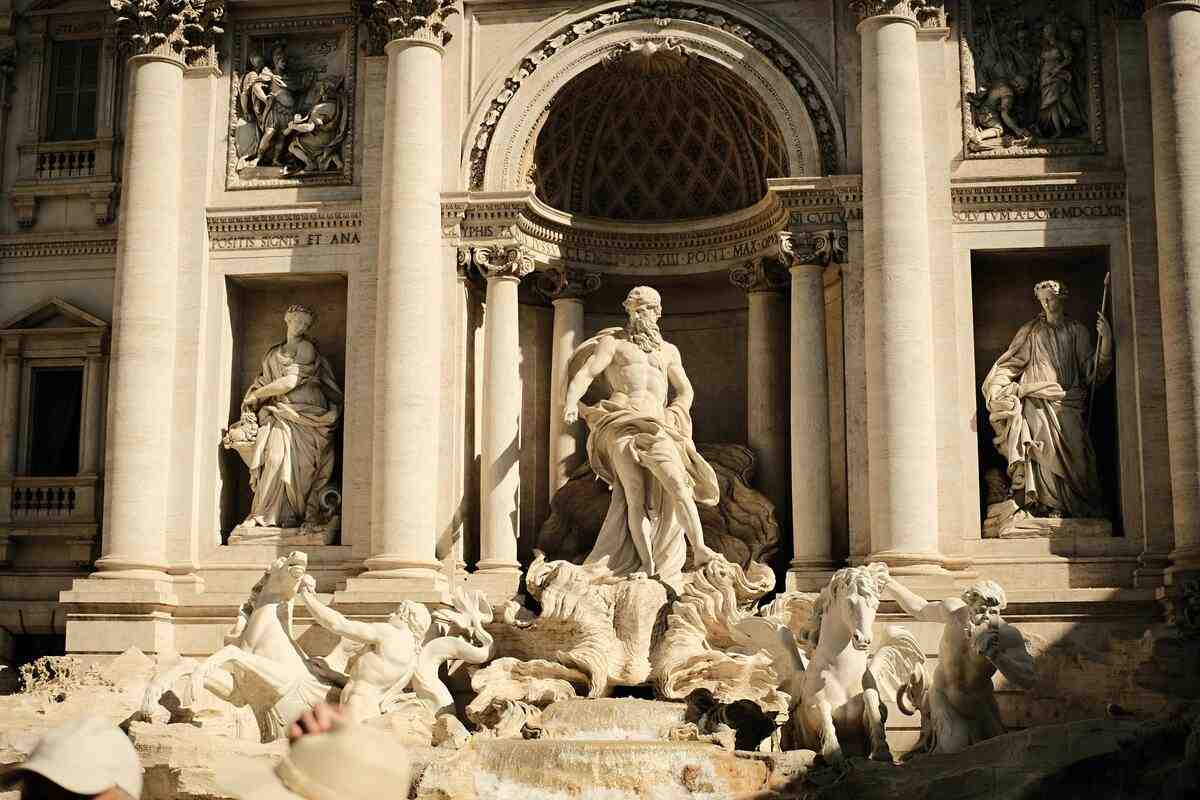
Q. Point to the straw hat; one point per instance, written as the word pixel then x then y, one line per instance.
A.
pixel 88 756
pixel 351 762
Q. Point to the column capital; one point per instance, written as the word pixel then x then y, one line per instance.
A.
pixel 924 13
pixel 817 249
pixel 566 283
pixel 759 275
pixel 392 20
pixel 468 274
pixel 182 31
pixel 511 261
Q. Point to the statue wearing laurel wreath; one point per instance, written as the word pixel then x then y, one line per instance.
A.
pixel 285 436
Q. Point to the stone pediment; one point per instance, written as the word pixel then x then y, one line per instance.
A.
pixel 52 314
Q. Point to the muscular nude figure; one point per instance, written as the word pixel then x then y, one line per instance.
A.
pixel 959 709
pixel 385 662
pixel 641 445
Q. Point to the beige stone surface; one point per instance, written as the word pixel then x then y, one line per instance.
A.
pixel 556 768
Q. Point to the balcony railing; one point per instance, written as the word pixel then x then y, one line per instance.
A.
pixel 51 499
pixel 53 164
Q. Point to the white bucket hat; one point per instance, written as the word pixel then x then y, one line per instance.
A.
pixel 351 762
pixel 88 755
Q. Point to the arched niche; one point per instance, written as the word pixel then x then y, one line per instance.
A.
pixel 502 134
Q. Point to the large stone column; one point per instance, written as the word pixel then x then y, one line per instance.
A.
pixel 500 489
pixel 812 486
pixel 566 289
pixel 1173 45
pixel 410 317
pixel 901 418
pixel 142 364
pixel 765 284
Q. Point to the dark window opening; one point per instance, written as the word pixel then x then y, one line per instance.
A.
pixel 73 84
pixel 56 402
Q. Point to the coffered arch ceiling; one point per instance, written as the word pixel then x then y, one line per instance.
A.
pixel 656 133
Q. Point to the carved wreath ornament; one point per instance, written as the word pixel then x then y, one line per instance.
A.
pixel 186 27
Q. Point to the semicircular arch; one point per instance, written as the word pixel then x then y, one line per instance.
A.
pixel 502 134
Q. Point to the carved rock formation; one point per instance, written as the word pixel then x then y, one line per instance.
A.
pixel 741 526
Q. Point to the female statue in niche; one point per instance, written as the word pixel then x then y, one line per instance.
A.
pixel 285 435
pixel 1059 113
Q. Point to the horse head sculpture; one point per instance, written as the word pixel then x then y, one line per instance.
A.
pixel 849 602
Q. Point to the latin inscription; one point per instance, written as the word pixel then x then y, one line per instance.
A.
pixel 1039 214
pixel 287 242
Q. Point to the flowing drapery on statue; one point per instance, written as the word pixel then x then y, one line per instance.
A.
pixel 650 442
pixel 1036 394
pixel 285 435
pixel 642 447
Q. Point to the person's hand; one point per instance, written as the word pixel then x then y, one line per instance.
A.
pixel 321 718
pixel 1104 330
pixel 987 644
pixel 570 415
pixel 308 585
pixel 250 400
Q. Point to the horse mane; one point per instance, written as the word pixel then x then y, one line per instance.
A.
pixel 866 580
pixel 247 608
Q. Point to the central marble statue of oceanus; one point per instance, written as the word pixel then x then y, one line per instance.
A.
pixel 640 444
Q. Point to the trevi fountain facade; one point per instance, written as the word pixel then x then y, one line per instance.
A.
pixel 625 399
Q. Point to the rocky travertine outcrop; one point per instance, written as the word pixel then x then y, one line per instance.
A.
pixel 741 526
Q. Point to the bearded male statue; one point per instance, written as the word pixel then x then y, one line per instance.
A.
pixel 1036 394
pixel 641 446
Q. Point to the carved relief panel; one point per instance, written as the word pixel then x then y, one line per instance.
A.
pixel 1031 78
pixel 291 114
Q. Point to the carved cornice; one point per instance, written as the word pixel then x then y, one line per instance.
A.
pixel 243 230
pixel 57 248
pixel 817 249
pixel 926 13
pixel 502 260
pixel 175 29
pixel 759 275
pixel 565 283
pixel 1040 201
pixel 424 20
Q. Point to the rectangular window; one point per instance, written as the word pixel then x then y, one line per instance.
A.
pixel 73 82
pixel 56 400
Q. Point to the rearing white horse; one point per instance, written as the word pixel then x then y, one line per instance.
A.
pixel 840 710
pixel 260 666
